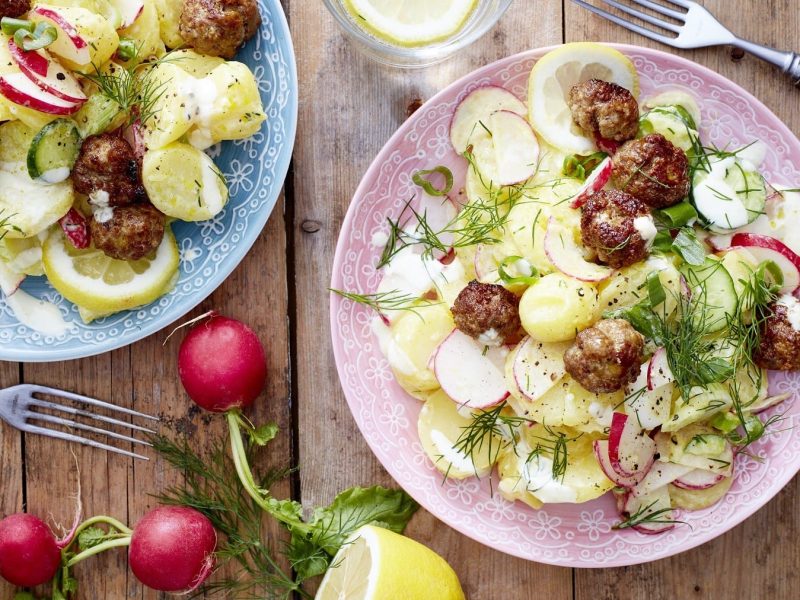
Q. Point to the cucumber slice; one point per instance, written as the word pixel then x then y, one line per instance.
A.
pixel 53 151
pixel 97 115
pixel 706 445
pixel 713 293
pixel 728 194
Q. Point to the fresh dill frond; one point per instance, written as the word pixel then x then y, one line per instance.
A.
pixel 491 428
pixel 384 302
pixel 6 225
pixel 645 515
pixel 555 447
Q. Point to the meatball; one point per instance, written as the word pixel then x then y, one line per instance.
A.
pixel 779 347
pixel 131 232
pixel 107 163
pixel 487 312
pixel 606 357
pixel 653 170
pixel 609 221
pixel 605 110
pixel 219 27
pixel 14 8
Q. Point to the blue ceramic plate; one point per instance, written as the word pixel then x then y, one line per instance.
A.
pixel 211 250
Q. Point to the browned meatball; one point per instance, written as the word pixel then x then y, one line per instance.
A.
pixel 487 312
pixel 653 170
pixel 131 233
pixel 14 8
pixel 608 226
pixel 108 164
pixel 779 347
pixel 606 357
pixel 604 110
pixel 219 27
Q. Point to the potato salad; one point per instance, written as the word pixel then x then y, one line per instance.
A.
pixel 107 108
pixel 598 308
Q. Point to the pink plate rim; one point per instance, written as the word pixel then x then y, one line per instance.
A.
pixel 344 242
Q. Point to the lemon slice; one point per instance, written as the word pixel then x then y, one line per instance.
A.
pixel 103 285
pixel 411 22
pixel 551 80
pixel 378 564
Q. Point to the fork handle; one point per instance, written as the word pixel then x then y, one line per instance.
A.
pixel 787 62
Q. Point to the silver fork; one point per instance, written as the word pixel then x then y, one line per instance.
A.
pixel 15 409
pixel 698 28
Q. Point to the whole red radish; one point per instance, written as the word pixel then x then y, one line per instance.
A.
pixel 222 365
pixel 29 553
pixel 172 549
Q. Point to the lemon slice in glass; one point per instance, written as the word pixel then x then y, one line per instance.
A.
pixel 553 77
pixel 378 564
pixel 411 22
pixel 103 285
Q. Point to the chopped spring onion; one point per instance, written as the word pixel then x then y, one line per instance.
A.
pixel 127 49
pixel 10 26
pixel 509 261
pixel 580 167
pixel 676 216
pixel 30 39
pixel 655 290
pixel 419 179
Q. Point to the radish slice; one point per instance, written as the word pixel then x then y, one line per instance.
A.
pixel 567 256
pixel 630 449
pixel 762 405
pixel 655 501
pixel 659 475
pixel 698 479
pixel 129 10
pixel 69 44
pixel 9 280
pixel 475 108
pixel 600 448
pixel 658 372
pixel 538 367
pixel 19 89
pixel 764 247
pixel 469 372
pixel 650 407
pixel 596 181
pixel 47 73
pixel 485 265
pixel 508 152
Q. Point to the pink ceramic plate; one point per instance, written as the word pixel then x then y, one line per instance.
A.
pixel 576 535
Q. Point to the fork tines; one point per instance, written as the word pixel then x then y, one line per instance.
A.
pixel 23 401
pixel 646 17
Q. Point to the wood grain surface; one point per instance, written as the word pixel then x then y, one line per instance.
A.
pixel 349 107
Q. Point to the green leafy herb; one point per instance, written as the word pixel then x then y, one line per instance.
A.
pixel 554 446
pixel 646 514
pixel 655 289
pixel 530 278
pixel 212 486
pixel 492 428
pixel 689 247
pixel 6 225
pixel 384 302
pixel 419 178
pixel 580 167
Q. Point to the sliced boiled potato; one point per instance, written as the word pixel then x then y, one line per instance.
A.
pixel 527 224
pixel 556 307
pixel 512 485
pixel 196 65
pixel 171 117
pixel 169 19
pixel 30 206
pixel 238 111
pixel 15 139
pixel 699 499
pixel 702 404
pixel 440 426
pixel 145 34
pixel 22 255
pixel 415 337
pixel 628 286
pixel 183 182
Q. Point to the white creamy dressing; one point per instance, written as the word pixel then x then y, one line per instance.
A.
pixel 55 175
pixel 490 337
pixel 537 474
pixel 718 200
pixel 792 305
pixel 39 315
pixel 410 273
pixel 199 97
pixel 397 358
pixel 601 413
pixel 101 210
pixel 445 448
pixel 646 227
pixel 657 263
pixel 210 194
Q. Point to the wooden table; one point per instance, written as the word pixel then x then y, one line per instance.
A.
pixel 348 108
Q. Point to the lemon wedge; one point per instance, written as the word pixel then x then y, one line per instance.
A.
pixel 551 80
pixel 103 285
pixel 378 564
pixel 411 22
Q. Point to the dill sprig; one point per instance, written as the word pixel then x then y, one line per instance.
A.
pixel 554 447
pixel 6 225
pixel 645 514
pixel 383 302
pixel 490 427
